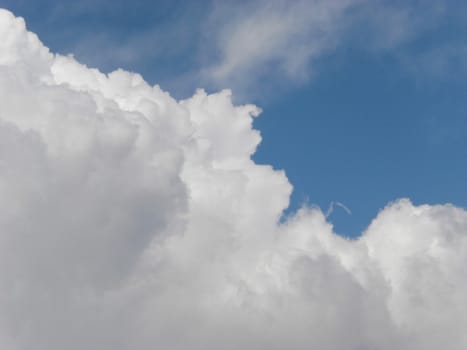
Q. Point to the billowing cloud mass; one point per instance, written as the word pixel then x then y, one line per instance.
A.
pixel 130 220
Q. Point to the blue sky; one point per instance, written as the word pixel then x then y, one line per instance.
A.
pixel 364 107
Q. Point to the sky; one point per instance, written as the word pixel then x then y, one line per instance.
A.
pixel 233 174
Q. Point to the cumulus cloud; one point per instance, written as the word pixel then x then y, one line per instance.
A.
pixel 130 220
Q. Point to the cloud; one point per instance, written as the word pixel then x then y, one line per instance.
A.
pixel 283 42
pixel 130 220
pixel 286 35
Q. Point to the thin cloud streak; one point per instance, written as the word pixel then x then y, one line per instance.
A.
pixel 280 42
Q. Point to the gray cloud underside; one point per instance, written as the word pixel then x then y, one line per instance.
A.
pixel 130 220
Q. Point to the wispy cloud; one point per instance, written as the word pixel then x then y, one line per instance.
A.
pixel 279 41
pixel 265 38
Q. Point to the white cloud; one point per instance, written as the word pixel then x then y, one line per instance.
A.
pixel 286 34
pixel 280 42
pixel 130 220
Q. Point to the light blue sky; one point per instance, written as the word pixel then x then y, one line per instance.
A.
pixel 363 102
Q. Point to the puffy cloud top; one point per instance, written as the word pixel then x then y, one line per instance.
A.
pixel 130 220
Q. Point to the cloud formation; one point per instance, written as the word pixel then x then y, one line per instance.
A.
pixel 285 34
pixel 130 220
pixel 282 41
